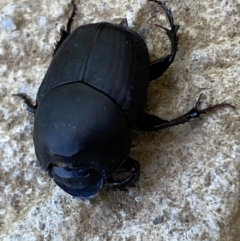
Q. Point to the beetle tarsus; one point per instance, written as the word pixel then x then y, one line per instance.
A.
pixel 65 33
pixel 30 107
pixel 206 110
pixel 70 20
pixel 147 122
pixel 130 165
pixel 159 66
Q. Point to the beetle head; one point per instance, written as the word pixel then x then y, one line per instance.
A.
pixel 80 182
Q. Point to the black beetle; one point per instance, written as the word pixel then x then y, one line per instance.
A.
pixel 91 97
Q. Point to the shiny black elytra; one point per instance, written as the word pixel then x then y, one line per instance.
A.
pixel 91 97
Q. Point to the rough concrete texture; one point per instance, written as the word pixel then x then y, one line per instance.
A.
pixel 189 183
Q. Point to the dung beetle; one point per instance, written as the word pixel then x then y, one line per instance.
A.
pixel 89 101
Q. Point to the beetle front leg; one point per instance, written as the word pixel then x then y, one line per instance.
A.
pixel 30 107
pixel 159 66
pixel 147 122
pixel 65 33
pixel 130 165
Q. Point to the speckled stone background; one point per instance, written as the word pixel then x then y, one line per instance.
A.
pixel 189 184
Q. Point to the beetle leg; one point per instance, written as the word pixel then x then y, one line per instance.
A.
pixel 147 122
pixel 30 107
pixel 124 24
pixel 159 66
pixel 130 165
pixel 63 32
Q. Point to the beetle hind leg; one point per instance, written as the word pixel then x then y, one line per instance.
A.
pixel 159 66
pixel 65 33
pixel 130 165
